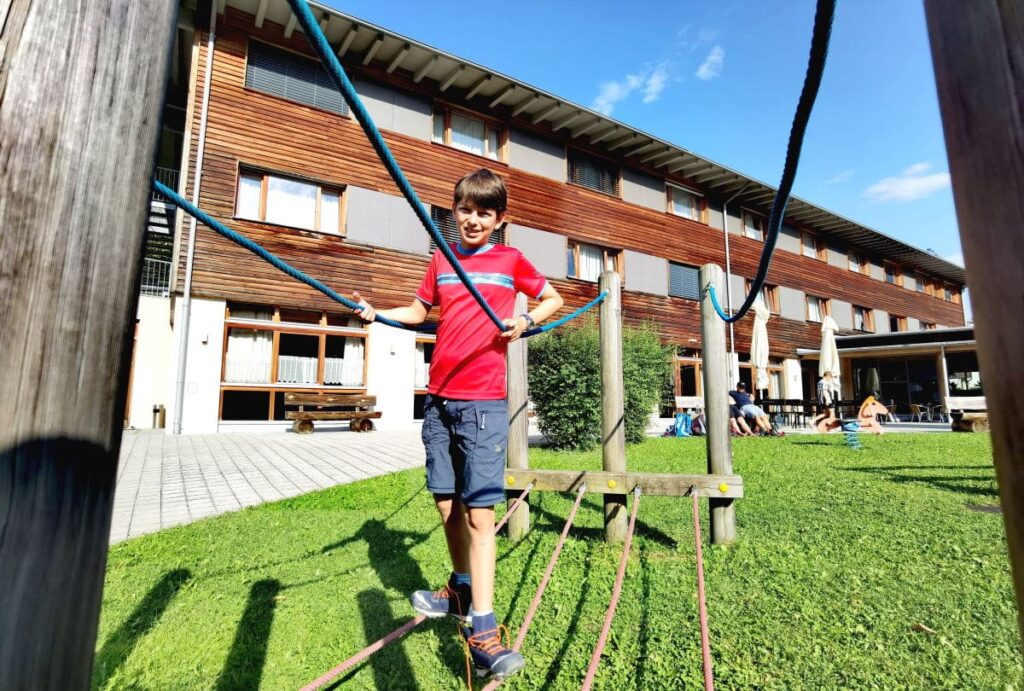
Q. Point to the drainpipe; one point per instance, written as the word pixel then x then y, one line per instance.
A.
pixel 186 304
pixel 728 271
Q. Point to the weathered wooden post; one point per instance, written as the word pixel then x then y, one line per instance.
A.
pixel 519 427
pixel 979 71
pixel 613 428
pixel 716 401
pixel 82 86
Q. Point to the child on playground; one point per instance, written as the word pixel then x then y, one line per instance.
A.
pixel 465 418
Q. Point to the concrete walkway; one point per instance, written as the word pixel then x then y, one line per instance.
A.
pixel 165 480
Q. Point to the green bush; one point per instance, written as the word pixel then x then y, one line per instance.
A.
pixel 565 383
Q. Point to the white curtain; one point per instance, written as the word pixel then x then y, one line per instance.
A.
pixel 421 370
pixel 330 214
pixel 591 260
pixel 467 134
pixel 291 203
pixel 352 365
pixel 248 356
pixel 249 197
pixel 294 369
pixel 813 309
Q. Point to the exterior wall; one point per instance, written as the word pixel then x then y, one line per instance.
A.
pixel 789 240
pixel 202 371
pixel 396 110
pixel 837 257
pixel 735 221
pixel 881 322
pixel 646 274
pixel 535 155
pixel 913 324
pixel 389 374
pixel 546 251
pixel 715 214
pixel 875 270
pixel 645 190
pixel 384 220
pixel 792 304
pixel 152 359
pixel 842 312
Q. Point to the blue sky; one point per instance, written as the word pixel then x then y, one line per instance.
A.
pixel 721 78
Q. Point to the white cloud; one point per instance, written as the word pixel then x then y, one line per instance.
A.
pixel 611 93
pixel 655 83
pixel 841 176
pixel 911 185
pixel 712 65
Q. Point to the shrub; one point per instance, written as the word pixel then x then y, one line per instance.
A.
pixel 565 383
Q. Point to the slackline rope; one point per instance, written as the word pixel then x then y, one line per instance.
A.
pixel 823 17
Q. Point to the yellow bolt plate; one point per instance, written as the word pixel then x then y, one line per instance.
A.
pixel 612 484
pixel 511 480
pixel 723 488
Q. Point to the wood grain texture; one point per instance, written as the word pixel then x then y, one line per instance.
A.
pixel 978 52
pixel 256 129
pixel 81 108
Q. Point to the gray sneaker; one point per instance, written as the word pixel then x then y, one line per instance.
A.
pixel 451 600
pixel 491 656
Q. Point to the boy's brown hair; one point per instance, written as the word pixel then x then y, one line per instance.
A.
pixel 484 188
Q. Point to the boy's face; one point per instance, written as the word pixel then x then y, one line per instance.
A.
pixel 476 223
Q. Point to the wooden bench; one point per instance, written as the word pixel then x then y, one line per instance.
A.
pixel 357 408
pixel 967 413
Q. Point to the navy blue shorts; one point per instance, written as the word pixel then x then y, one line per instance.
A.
pixel 466 443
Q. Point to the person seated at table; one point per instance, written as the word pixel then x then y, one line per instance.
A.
pixel 746 404
pixel 738 422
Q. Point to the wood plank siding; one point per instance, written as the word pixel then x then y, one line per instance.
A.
pixel 247 127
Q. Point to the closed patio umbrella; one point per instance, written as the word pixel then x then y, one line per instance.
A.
pixel 759 344
pixel 829 360
pixel 873 384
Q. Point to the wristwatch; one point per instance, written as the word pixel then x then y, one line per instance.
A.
pixel 529 320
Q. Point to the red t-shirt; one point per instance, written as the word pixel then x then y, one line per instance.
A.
pixel 469 358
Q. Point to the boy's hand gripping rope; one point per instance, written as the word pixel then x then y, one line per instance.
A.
pixel 816 66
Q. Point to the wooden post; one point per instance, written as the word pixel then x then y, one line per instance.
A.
pixel 613 428
pixel 518 428
pixel 979 72
pixel 716 402
pixel 83 87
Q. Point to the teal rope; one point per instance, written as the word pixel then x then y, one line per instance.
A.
pixel 334 68
pixel 262 253
pixel 569 317
pixel 823 17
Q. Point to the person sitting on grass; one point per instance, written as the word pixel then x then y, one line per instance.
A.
pixel 747 407
pixel 465 417
pixel 738 422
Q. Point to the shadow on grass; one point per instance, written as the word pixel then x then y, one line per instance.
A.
pixel 645 613
pixel 148 612
pixel 570 632
pixel 244 667
pixel 388 552
pixel 391 666
pixel 960 484
pixel 555 523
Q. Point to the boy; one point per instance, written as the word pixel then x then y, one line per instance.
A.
pixel 747 407
pixel 465 419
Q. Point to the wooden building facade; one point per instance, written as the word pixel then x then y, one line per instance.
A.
pixel 284 163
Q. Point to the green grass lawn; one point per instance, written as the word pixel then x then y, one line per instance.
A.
pixel 852 570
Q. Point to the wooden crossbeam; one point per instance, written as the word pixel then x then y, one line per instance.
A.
pixel 598 481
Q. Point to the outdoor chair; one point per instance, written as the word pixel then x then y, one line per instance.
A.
pixel 920 412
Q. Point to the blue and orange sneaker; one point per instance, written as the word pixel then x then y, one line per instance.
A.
pixel 490 656
pixel 452 600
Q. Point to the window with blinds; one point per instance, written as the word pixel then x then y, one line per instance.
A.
pixel 593 173
pixel 444 219
pixel 683 281
pixel 280 73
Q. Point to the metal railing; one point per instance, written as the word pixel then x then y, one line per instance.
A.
pixel 167 176
pixel 156 278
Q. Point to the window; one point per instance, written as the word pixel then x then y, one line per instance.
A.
pixel 586 262
pixel 893 274
pixel 897 324
pixel 594 173
pixel 920 281
pixel 291 76
pixel 444 219
pixel 950 294
pixel 269 351
pixel 683 281
pixel 812 246
pixel 863 319
pixel 769 294
pixel 289 202
pixel 856 262
pixel 753 225
pixel 685 203
pixel 927 326
pixel 817 308
pixel 466 133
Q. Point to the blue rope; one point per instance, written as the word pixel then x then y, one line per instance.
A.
pixel 823 16
pixel 262 253
pixel 558 322
pixel 334 68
